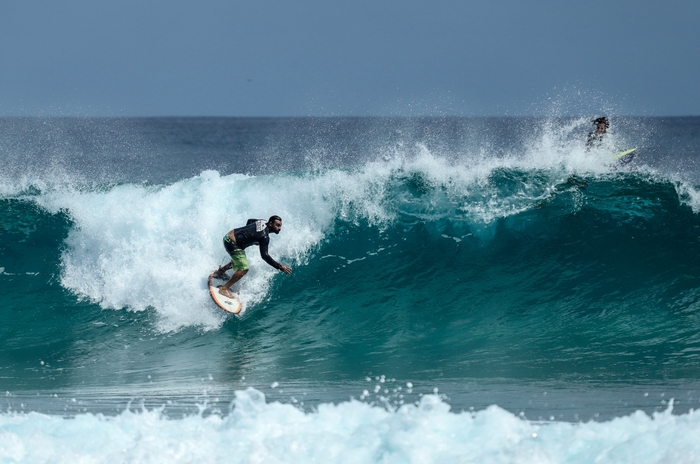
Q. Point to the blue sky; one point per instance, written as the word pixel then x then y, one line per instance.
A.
pixel 359 57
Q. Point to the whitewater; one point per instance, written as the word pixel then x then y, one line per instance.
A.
pixel 354 432
pixel 464 289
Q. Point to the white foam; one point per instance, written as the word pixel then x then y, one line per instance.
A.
pixel 688 195
pixel 350 432
pixel 140 247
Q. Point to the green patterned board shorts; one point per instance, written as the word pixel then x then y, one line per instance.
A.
pixel 239 261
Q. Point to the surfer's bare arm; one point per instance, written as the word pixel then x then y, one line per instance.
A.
pixel 276 265
pixel 268 259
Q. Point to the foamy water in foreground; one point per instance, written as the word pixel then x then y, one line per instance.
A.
pixel 349 432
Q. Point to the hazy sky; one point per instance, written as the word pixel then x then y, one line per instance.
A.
pixel 353 57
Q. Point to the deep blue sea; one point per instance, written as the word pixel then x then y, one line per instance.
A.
pixel 463 290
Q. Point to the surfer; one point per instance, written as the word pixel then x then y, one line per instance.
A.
pixel 255 232
pixel 595 138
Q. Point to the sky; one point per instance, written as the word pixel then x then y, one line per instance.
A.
pixel 349 57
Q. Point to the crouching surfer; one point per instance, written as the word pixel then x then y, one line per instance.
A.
pixel 255 232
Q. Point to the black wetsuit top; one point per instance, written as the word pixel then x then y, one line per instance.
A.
pixel 594 139
pixel 255 232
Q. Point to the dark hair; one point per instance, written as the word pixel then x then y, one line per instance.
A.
pixel 274 218
pixel 602 120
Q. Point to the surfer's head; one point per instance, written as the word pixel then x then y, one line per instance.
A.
pixel 274 224
pixel 602 124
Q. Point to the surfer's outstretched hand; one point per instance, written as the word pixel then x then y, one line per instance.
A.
pixel 285 269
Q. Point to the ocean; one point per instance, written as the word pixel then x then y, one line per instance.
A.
pixel 463 290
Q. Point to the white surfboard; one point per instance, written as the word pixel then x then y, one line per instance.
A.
pixel 230 305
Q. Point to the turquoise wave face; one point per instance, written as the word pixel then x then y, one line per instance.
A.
pixel 598 282
pixel 524 274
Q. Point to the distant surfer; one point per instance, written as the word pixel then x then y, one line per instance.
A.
pixel 255 232
pixel 595 138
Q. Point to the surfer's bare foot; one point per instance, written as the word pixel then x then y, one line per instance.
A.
pixel 226 292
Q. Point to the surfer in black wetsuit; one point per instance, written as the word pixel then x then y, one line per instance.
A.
pixel 255 232
pixel 595 138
